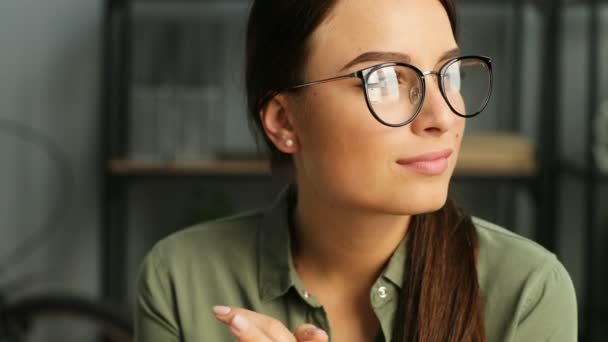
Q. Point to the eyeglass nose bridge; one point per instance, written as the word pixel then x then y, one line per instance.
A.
pixel 431 72
pixel 438 77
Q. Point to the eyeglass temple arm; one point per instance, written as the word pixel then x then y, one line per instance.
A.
pixel 351 75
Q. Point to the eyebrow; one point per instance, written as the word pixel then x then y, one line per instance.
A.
pixel 391 56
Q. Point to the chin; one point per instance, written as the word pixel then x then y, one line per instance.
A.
pixel 428 207
pixel 420 201
pixel 436 205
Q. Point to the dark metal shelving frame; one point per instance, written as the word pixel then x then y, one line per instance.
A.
pixel 592 308
pixel 115 93
pixel 592 180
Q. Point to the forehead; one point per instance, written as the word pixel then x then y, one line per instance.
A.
pixel 419 28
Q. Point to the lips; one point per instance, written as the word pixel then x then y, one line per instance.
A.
pixel 430 164
pixel 427 157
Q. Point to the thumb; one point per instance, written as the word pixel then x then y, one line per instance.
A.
pixel 310 333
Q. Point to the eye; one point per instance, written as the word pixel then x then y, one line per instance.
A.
pixel 406 77
pixel 402 78
pixel 415 94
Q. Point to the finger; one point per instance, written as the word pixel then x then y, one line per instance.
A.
pixel 248 325
pixel 310 333
pixel 243 329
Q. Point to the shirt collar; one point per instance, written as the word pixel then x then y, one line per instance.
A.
pixel 395 269
pixel 277 273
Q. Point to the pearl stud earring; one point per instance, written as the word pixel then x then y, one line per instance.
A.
pixel 289 142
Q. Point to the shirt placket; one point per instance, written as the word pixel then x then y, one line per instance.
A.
pixel 384 297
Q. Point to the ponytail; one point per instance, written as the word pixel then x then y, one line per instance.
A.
pixel 441 300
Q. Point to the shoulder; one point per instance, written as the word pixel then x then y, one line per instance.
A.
pixel 499 245
pixel 189 271
pixel 211 233
pixel 505 254
pixel 207 245
pixel 521 281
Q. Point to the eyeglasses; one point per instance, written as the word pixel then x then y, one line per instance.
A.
pixel 394 92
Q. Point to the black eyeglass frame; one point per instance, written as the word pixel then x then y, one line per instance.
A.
pixel 365 73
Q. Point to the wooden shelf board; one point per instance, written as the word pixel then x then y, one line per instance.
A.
pixel 496 154
pixel 481 155
pixel 211 167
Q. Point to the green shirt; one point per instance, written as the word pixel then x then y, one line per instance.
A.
pixel 245 261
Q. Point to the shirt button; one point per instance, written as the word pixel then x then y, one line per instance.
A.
pixel 382 292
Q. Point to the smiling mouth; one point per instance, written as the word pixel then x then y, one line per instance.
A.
pixel 430 164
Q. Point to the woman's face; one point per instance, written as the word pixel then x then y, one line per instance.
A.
pixel 344 153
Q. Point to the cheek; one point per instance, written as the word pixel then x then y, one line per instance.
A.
pixel 458 129
pixel 342 140
pixel 339 120
pixel 350 157
pixel 457 101
pixel 456 135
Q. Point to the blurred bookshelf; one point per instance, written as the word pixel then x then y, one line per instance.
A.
pixel 171 65
pixel 488 155
pixel 166 61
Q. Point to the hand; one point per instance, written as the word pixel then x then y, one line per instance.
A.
pixel 250 326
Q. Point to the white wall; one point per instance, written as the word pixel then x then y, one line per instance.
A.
pixel 49 71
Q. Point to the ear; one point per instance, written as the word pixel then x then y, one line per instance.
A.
pixel 278 124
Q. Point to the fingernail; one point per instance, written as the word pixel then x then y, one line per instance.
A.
pixel 314 331
pixel 310 332
pixel 221 310
pixel 321 332
pixel 240 323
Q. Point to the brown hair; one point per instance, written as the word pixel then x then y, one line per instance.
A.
pixel 440 300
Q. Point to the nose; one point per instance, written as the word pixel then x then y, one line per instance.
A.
pixel 435 116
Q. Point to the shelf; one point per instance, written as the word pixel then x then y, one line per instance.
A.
pixel 177 168
pixel 496 154
pixel 482 155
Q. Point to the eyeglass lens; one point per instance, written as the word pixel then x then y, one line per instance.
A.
pixel 395 92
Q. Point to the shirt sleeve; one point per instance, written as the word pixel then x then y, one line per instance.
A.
pixel 154 316
pixel 549 311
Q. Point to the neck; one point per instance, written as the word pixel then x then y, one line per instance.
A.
pixel 342 247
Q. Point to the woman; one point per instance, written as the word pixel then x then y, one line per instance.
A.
pixel 364 245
